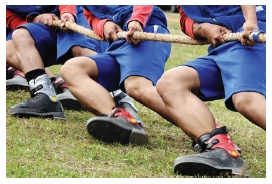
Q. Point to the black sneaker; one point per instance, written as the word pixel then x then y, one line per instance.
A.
pixel 68 101
pixel 15 80
pixel 38 106
pixel 118 127
pixel 43 101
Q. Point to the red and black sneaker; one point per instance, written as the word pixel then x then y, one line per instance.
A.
pixel 118 127
pixel 197 148
pixel 219 158
pixel 68 101
pixel 15 79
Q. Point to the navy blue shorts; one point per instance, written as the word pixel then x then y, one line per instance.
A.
pixel 232 68
pixel 8 34
pixel 122 59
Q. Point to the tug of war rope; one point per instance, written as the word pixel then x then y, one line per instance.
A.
pixel 256 36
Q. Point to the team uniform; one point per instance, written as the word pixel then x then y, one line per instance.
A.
pixel 228 68
pixel 45 37
pixel 122 59
pixel 15 79
pixel 66 40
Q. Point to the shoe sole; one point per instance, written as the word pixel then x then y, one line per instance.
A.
pixel 16 87
pixel 109 131
pixel 26 113
pixel 197 169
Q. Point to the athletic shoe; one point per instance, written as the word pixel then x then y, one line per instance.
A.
pixel 216 162
pixel 119 127
pixel 68 101
pixel 15 80
pixel 43 101
pixel 220 157
pixel 124 101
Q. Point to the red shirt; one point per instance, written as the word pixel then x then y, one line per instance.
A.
pixel 13 20
pixel 186 24
pixel 140 14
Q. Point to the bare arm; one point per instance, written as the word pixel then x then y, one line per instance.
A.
pixel 250 25
pixel 213 33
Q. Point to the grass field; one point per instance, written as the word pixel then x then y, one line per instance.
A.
pixel 45 148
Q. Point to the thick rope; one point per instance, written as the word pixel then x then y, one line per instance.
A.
pixel 157 37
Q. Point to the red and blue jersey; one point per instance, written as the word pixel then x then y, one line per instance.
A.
pixel 229 16
pixel 122 15
pixel 17 15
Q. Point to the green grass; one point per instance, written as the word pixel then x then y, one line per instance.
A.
pixel 45 148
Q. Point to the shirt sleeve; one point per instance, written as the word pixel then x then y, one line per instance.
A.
pixel 67 9
pixel 13 20
pixel 141 14
pixel 95 23
pixel 186 24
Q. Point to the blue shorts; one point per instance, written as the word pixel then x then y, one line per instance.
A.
pixel 122 59
pixel 231 68
pixel 46 41
pixel 8 34
pixel 66 40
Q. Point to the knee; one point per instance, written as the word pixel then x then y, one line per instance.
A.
pixel 22 36
pixel 68 69
pixel 134 90
pixel 178 79
pixel 241 101
pixel 166 83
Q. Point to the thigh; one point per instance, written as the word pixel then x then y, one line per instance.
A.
pixel 211 84
pixel 46 41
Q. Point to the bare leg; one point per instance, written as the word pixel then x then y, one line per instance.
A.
pixel 11 58
pixel 81 51
pixel 177 88
pixel 80 74
pixel 49 73
pixel 253 106
pixel 43 100
pixel 143 91
pixel 24 43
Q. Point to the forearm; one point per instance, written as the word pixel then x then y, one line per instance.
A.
pixel 249 12
pixel 199 30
